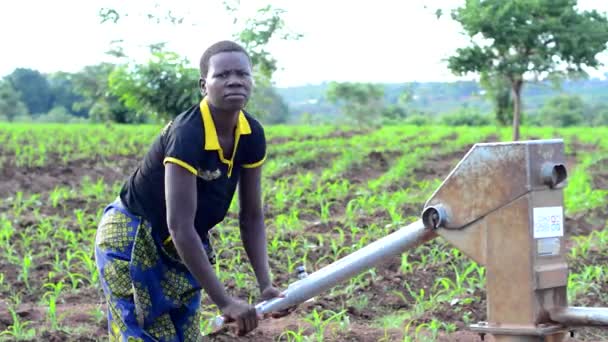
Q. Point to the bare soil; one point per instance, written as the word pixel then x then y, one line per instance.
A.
pixel 40 179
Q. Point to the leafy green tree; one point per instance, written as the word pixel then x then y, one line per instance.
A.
pixel 271 107
pixel 255 34
pixel 91 84
pixel 393 113
pixel 362 102
pixel 64 94
pixel 498 91
pixel 397 112
pixel 160 89
pixel 33 88
pixel 258 31
pixel 11 105
pixel 522 37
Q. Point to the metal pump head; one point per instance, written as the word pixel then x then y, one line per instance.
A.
pixel 502 205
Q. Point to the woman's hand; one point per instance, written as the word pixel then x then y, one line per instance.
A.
pixel 271 292
pixel 245 315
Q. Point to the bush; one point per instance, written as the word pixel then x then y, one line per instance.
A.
pixel 22 118
pixel 418 120
pixel 60 115
pixel 563 111
pixel 466 117
pixel 601 118
pixel 393 113
pixel 534 119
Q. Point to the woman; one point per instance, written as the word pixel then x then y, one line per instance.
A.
pixel 152 248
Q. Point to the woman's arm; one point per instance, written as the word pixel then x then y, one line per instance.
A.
pixel 251 220
pixel 181 202
pixel 180 194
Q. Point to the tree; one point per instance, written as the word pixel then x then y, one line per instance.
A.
pixel 498 91
pixel 91 83
pixel 525 37
pixel 270 104
pixel 64 94
pixel 255 35
pixel 362 102
pixel 33 88
pixel 160 89
pixel 11 105
pixel 399 111
pixel 258 31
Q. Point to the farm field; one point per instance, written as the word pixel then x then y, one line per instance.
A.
pixel 328 191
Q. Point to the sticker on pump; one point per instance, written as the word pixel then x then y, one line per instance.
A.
pixel 548 222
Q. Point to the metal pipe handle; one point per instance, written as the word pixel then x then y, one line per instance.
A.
pixel 572 316
pixel 345 268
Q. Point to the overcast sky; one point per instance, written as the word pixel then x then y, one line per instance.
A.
pixel 371 41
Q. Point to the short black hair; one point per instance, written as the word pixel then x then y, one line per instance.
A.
pixel 221 46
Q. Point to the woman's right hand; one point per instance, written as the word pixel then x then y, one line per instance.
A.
pixel 245 315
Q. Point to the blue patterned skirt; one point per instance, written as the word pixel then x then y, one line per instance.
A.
pixel 151 295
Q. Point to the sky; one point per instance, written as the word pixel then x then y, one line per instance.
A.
pixel 357 41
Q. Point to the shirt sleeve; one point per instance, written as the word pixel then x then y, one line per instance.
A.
pixel 256 153
pixel 182 148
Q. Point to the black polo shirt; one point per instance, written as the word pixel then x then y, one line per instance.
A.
pixel 191 141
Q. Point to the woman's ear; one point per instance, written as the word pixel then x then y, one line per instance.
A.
pixel 201 85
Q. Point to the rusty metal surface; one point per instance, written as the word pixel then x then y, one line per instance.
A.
pixel 551 275
pixel 540 154
pixel 579 316
pixel 491 175
pixel 509 281
pixel 470 241
pixel 494 207
pixel 550 269
pixel 488 177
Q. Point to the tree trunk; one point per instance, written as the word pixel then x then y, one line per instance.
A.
pixel 517 85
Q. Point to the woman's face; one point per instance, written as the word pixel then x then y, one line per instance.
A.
pixel 228 81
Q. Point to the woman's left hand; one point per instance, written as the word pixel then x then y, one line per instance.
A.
pixel 272 292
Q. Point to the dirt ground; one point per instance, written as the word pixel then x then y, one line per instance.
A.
pixel 76 310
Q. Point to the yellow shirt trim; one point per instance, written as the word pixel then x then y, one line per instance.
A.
pixel 180 163
pixel 212 141
pixel 254 165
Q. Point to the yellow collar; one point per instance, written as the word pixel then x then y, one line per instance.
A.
pixel 211 140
